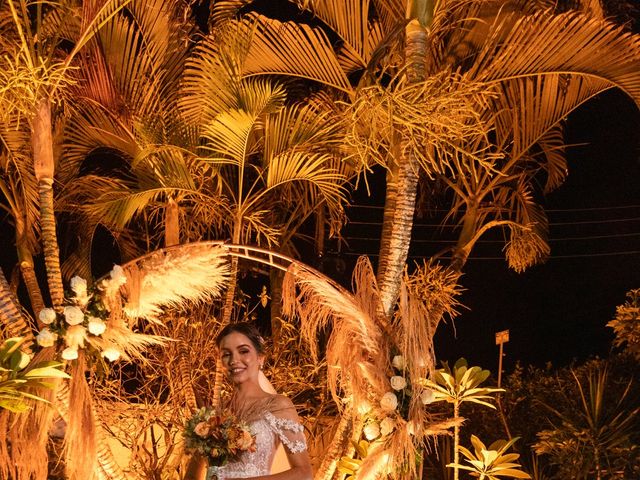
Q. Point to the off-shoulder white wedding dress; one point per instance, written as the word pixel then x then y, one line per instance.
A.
pixel 270 431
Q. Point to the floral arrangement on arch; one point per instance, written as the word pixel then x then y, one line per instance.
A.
pixel 92 320
pixel 389 419
pixel 393 407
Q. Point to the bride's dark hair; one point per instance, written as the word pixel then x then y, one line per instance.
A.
pixel 248 330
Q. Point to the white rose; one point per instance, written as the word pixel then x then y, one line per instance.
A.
pixel 118 276
pixel 73 315
pixel 70 353
pixel 75 336
pixel 372 431
pixel 364 407
pixel 387 426
pixel 96 326
pixel 398 383
pixel 24 360
pixel 111 354
pixel 79 286
pixel 46 338
pixel 47 316
pixel 398 362
pixel 426 397
pixel 389 402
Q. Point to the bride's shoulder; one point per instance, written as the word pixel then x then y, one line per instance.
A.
pixel 281 404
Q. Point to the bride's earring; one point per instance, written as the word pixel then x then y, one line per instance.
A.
pixel 260 367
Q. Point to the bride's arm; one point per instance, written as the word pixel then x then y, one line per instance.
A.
pixel 285 422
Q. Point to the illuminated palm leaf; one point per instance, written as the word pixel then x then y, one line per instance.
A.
pixel 292 49
pixel 491 463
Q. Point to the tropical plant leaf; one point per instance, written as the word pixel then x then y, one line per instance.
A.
pixel 292 49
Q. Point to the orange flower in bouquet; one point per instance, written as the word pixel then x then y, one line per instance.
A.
pixel 219 437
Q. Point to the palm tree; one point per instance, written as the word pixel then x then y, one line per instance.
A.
pixel 19 188
pixel 473 93
pixel 36 74
pixel 594 437
pixel 471 46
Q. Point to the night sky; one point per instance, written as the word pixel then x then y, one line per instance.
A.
pixel 556 311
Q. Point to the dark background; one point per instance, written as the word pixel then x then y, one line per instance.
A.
pixel 556 311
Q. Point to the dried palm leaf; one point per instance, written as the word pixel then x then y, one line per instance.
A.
pixel 356 353
pixel 81 446
pixel 191 272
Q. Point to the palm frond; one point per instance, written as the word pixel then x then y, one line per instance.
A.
pixel 189 273
pixel 572 43
pixel 530 107
pixel 349 20
pixel 230 137
pixel 555 162
pixel 391 12
pixel 90 128
pixel 528 242
pixel 210 79
pixel 291 49
pixel 306 177
pixel 226 10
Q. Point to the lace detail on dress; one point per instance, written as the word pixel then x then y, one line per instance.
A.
pixel 294 445
pixel 270 431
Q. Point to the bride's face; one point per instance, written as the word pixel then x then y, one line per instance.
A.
pixel 240 358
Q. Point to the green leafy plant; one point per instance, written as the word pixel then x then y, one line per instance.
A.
pixel 17 376
pixel 349 466
pixel 491 463
pixel 456 386
pixel 597 436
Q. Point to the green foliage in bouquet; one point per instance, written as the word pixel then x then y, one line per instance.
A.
pixel 17 376
pixel 219 437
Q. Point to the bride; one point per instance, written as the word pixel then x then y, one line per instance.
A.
pixel 272 418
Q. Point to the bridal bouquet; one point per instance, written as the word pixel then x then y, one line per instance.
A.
pixel 219 437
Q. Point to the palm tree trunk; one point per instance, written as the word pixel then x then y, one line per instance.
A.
pixel 42 142
pixel 338 444
pixel 227 309
pixel 171 223
pixel 469 226
pixel 12 319
pixel 184 384
pixel 276 277
pixel 387 218
pixel 25 259
pixel 399 223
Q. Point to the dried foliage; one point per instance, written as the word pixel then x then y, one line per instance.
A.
pixel 431 117
pixel 525 248
pixel 626 324
pixel 193 272
pixel 360 347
